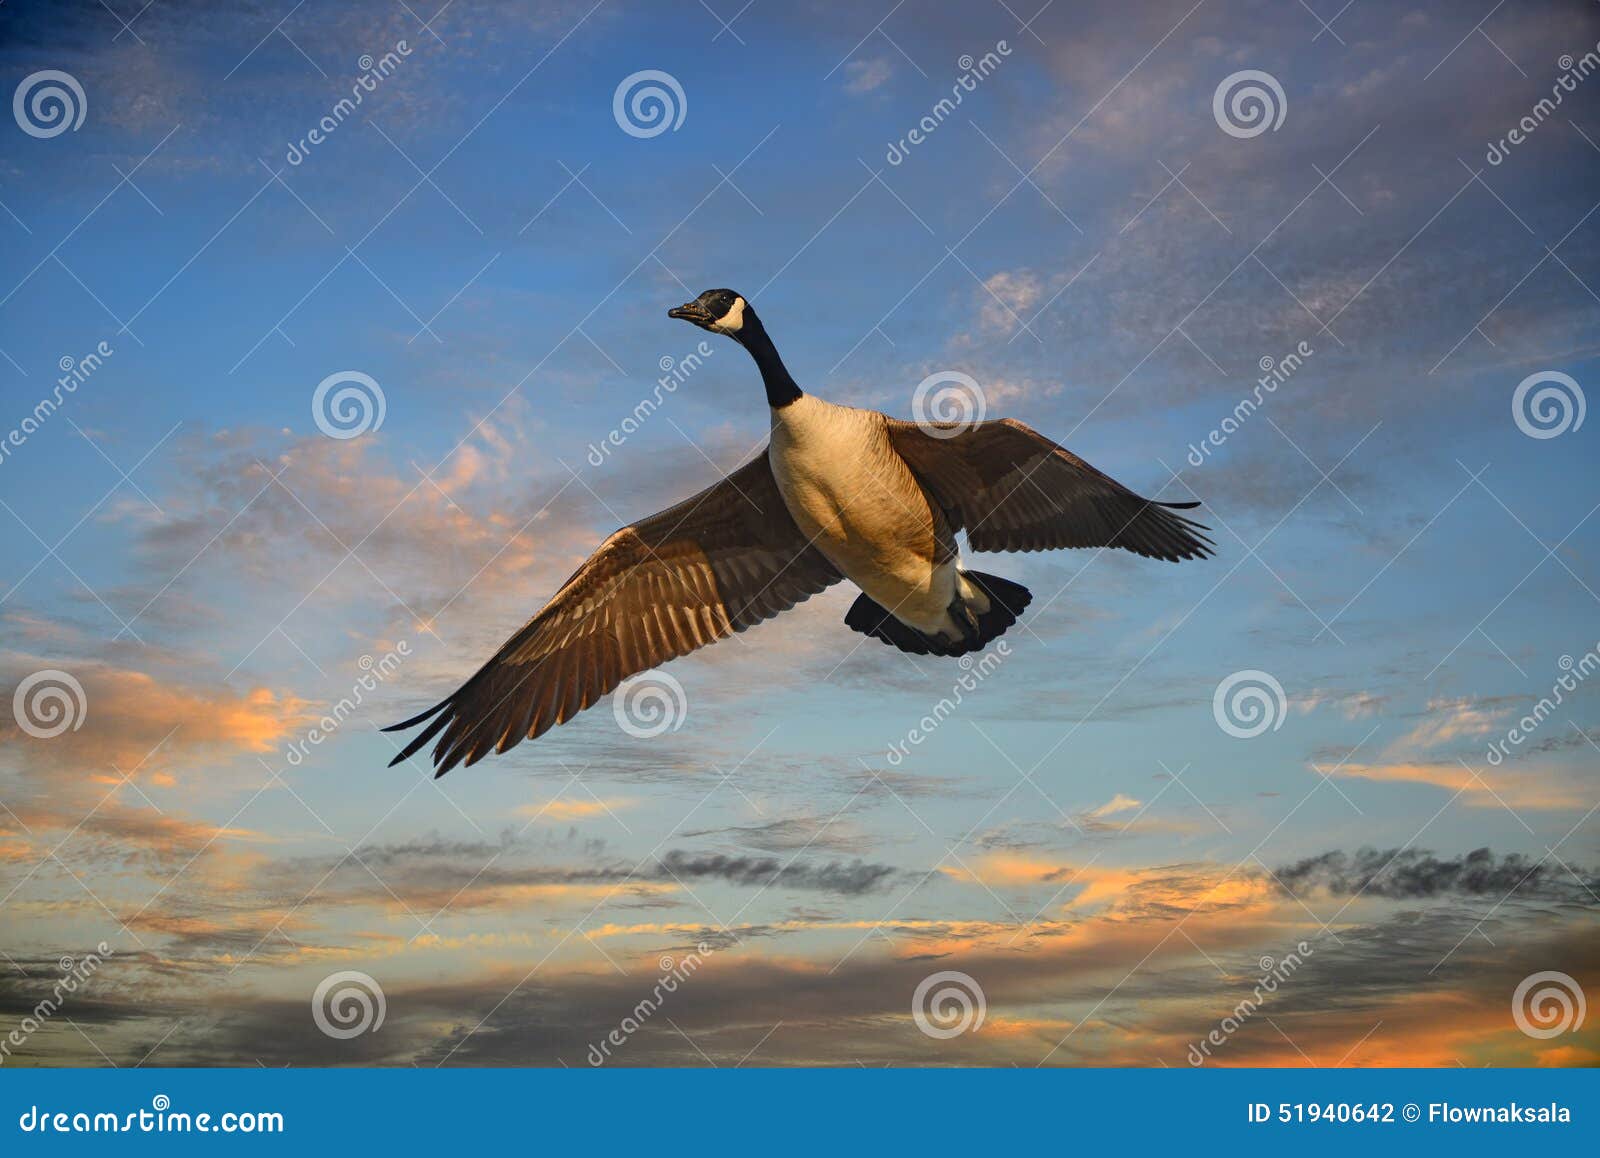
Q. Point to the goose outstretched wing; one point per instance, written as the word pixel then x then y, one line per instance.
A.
pixel 712 565
pixel 1012 489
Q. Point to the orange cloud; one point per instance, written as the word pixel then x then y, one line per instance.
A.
pixel 569 808
pixel 1177 888
pixel 1478 790
pixel 133 724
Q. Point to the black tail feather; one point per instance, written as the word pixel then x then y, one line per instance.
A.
pixel 1006 602
pixel 871 618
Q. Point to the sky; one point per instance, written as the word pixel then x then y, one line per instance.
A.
pixel 297 428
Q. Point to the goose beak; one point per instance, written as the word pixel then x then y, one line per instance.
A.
pixel 691 312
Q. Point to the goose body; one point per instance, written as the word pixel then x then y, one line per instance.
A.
pixel 838 493
pixel 858 503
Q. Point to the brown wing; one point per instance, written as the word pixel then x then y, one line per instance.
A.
pixel 1012 489
pixel 714 564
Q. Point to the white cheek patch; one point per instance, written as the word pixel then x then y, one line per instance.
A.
pixel 732 321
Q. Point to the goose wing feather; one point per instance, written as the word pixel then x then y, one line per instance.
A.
pixel 714 564
pixel 1012 489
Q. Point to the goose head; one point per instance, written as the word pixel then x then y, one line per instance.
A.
pixel 721 311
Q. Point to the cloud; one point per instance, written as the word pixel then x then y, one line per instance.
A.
pixel 1448 720
pixel 1127 986
pixel 427 878
pixel 1448 724
pixel 793 834
pixel 139 725
pixel 573 808
pixel 1118 803
pixel 862 76
pixel 1157 891
pixel 1519 789
pixel 1352 705
pixel 1406 874
pixel 1009 300
pixel 846 879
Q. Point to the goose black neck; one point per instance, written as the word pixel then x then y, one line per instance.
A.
pixel 781 388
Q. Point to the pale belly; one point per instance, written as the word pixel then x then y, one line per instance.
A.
pixel 858 504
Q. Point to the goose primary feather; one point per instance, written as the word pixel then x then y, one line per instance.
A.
pixel 838 493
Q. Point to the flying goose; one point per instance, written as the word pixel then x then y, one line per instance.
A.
pixel 838 493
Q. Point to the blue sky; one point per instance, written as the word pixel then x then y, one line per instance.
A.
pixel 484 240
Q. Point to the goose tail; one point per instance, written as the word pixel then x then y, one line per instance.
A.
pixel 985 608
pixel 1006 601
